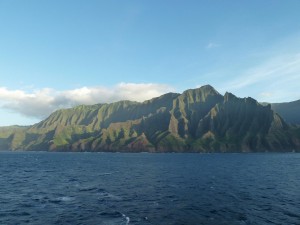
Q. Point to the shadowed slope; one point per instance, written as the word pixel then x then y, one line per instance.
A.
pixel 290 111
pixel 198 120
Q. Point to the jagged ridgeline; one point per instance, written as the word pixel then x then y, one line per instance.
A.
pixel 198 120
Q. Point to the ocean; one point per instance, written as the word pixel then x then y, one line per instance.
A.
pixel 129 188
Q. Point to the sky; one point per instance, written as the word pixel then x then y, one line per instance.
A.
pixel 62 53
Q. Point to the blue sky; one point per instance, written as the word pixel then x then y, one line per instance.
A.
pixel 56 54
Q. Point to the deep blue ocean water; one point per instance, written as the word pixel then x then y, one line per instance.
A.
pixel 119 188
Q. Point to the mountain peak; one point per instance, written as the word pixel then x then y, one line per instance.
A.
pixel 208 87
pixel 201 94
pixel 204 89
pixel 229 96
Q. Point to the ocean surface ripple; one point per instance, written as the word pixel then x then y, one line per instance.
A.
pixel 120 188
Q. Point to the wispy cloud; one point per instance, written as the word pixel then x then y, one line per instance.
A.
pixel 212 45
pixel 274 80
pixel 40 103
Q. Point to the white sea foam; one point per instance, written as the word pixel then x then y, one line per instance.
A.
pixel 66 198
pixel 104 174
pixel 127 218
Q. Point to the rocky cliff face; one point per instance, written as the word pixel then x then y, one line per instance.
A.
pixel 198 120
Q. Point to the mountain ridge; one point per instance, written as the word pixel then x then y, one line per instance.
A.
pixel 290 111
pixel 198 120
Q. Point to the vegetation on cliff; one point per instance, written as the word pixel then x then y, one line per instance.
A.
pixel 198 120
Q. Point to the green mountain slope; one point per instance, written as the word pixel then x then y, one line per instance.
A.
pixel 198 120
pixel 290 111
pixel 11 136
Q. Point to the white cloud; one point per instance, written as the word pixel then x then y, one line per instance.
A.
pixel 266 94
pixel 212 45
pixel 41 103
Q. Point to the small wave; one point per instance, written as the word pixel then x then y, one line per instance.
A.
pixel 107 195
pixel 83 189
pixel 127 218
pixel 66 198
pixel 111 214
pixel 26 205
pixel 73 180
pixel 91 188
pixel 104 174
pixel 291 214
pixel 62 199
